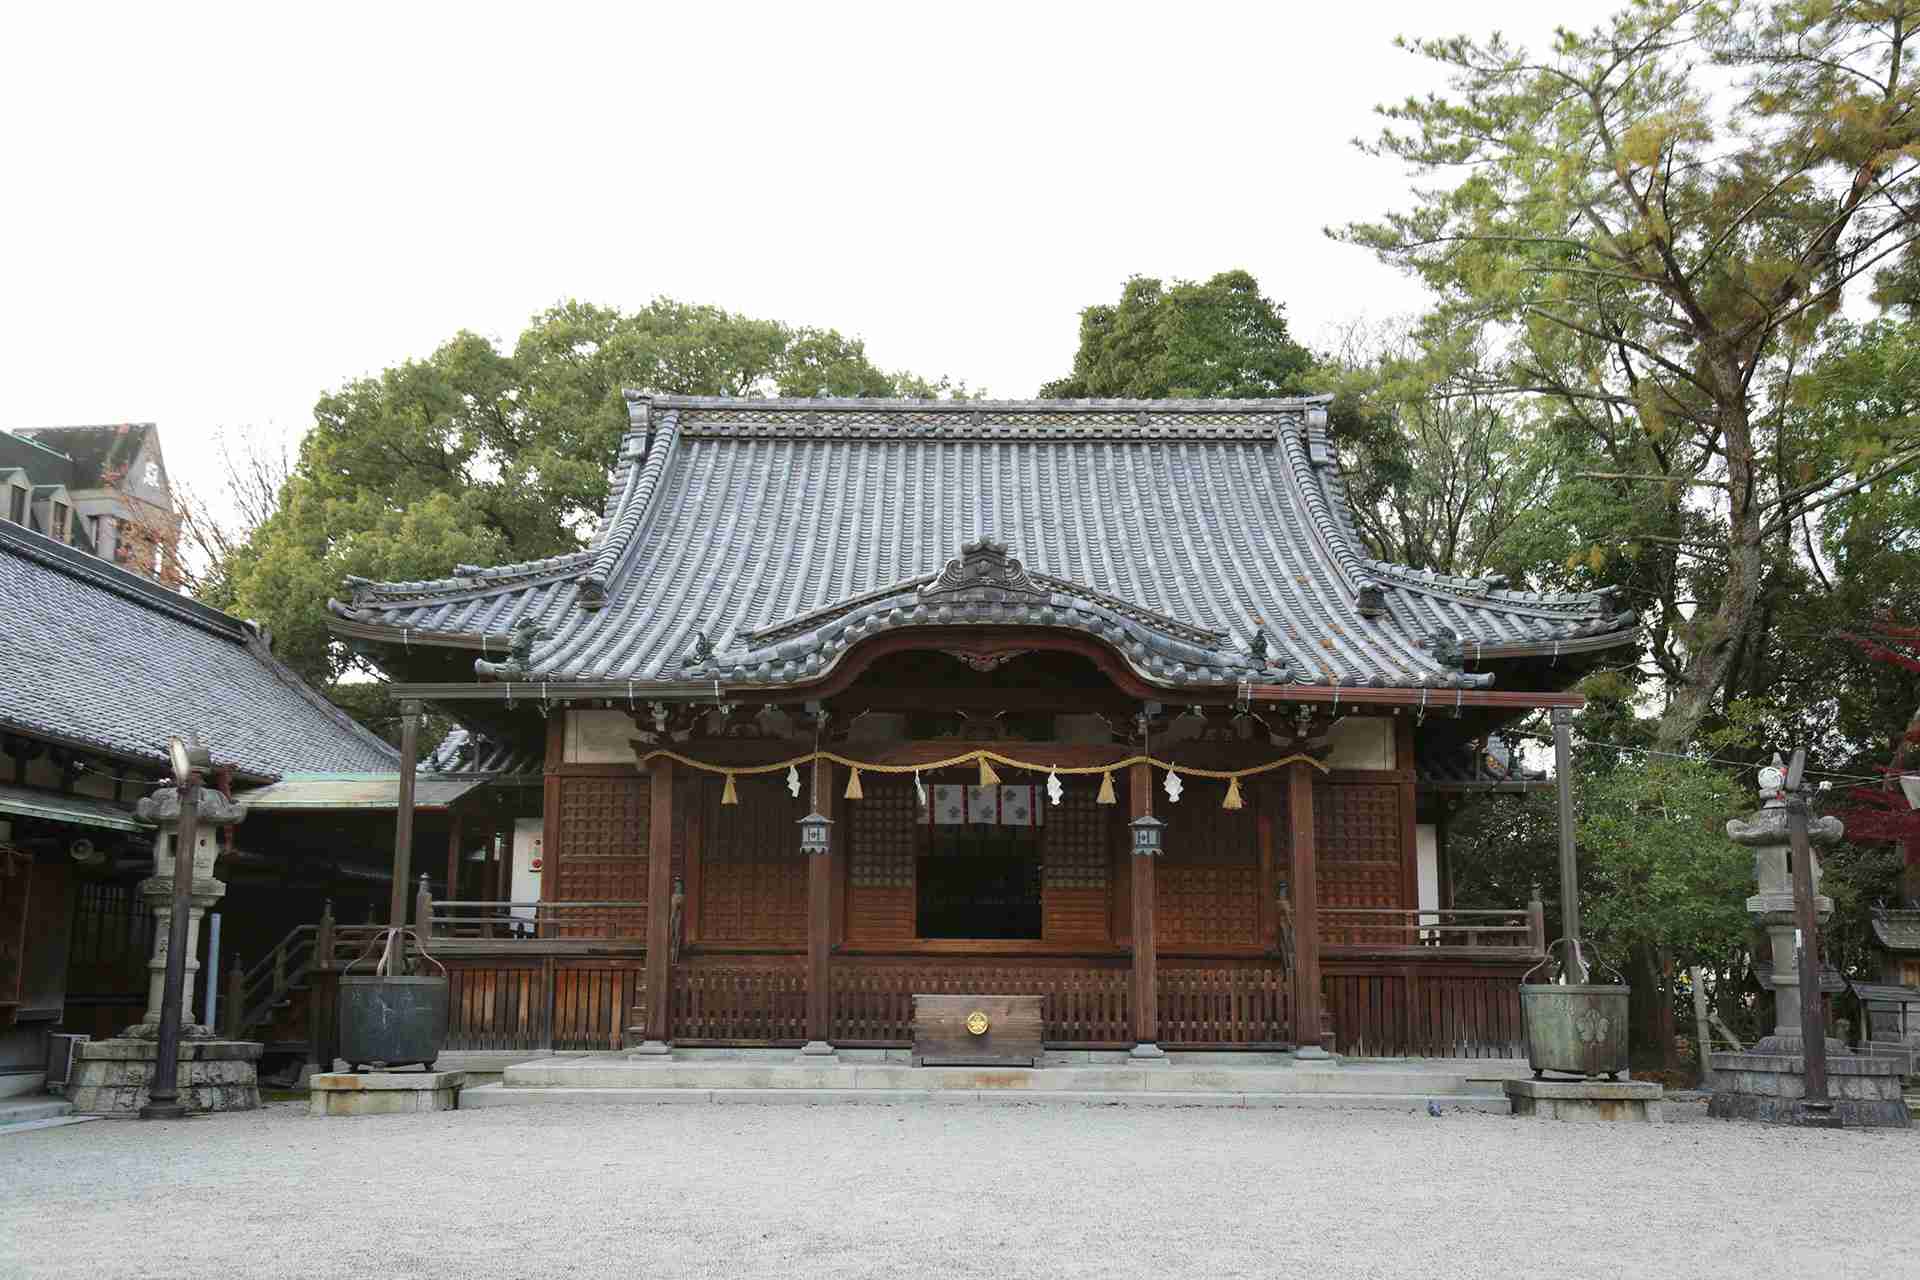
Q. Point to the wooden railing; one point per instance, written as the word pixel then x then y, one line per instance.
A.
pixel 1441 1009
pixel 541 1003
pixel 740 1000
pixel 255 997
pixel 1205 1005
pixel 1457 932
pixel 519 920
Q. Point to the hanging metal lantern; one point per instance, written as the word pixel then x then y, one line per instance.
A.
pixel 1146 835
pixel 816 833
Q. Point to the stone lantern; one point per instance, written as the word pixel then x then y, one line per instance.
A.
pixel 1765 832
pixel 1769 1081
pixel 113 1077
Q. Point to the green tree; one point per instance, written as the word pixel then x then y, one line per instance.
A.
pixel 1449 471
pixel 1663 260
pixel 478 455
pixel 1220 338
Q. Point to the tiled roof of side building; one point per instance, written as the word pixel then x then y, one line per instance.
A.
pixel 98 657
pixel 756 541
pixel 97 451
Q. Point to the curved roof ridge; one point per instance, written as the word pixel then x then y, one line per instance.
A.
pixel 621 537
pixel 842 403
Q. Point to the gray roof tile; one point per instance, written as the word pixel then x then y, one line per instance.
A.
pixel 94 654
pixel 784 531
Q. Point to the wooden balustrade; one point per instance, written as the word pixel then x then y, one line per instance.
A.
pixel 1209 1005
pixel 506 921
pixel 1458 932
pixel 720 1000
pixel 1439 1010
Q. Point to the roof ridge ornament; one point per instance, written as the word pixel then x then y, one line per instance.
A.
pixel 519 661
pixel 983 564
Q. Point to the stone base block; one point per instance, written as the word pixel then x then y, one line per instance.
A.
pixel 384 1093
pixel 112 1077
pixel 1770 1087
pixel 1636 1101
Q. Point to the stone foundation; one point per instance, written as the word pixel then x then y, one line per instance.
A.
pixel 112 1077
pixel 1757 1086
pixel 384 1093
pixel 1635 1101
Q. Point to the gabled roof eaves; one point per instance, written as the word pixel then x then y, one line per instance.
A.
pixel 739 519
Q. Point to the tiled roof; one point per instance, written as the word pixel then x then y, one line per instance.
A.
pixel 96 656
pixel 1897 930
pixel 96 451
pixel 463 751
pixel 756 541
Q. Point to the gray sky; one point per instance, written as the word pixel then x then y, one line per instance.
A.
pixel 216 213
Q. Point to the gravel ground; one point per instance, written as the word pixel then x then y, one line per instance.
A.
pixel 748 1191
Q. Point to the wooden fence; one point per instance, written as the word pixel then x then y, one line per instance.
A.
pixel 1427 1011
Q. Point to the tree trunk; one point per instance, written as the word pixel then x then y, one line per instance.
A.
pixel 1715 642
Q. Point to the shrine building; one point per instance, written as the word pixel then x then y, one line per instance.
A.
pixel 1099 701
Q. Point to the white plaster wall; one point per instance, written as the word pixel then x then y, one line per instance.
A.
pixel 599 737
pixel 1361 742
pixel 527 846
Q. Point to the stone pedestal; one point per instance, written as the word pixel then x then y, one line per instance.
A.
pixel 1770 1086
pixel 111 1077
pixel 1634 1101
pixel 384 1093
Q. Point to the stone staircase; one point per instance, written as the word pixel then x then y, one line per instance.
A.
pixel 879 1077
pixel 38 1111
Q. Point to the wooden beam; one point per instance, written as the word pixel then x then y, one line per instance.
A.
pixel 659 901
pixel 1305 889
pixel 1434 700
pixel 1146 986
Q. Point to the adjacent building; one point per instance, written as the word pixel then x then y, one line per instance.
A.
pixel 99 666
pixel 102 489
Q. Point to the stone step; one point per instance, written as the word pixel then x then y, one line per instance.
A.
pixel 500 1095
pixel 28 1110
pixel 616 1072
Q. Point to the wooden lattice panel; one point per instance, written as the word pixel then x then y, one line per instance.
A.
pixel 1076 868
pixel 1206 888
pixel 753 877
pixel 1357 836
pixel 884 837
pixel 602 855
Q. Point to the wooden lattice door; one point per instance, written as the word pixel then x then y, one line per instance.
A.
pixel 602 856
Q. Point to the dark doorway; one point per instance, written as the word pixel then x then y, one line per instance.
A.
pixel 980 883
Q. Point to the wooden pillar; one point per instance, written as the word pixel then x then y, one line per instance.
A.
pixel 403 814
pixel 1146 985
pixel 1305 879
pixel 454 835
pixel 659 909
pixel 820 921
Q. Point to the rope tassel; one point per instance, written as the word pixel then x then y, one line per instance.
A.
pixel 1233 800
pixel 727 794
pixel 988 778
pixel 1106 789
pixel 853 786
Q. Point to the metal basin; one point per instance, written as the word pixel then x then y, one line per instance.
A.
pixel 1578 1030
pixel 392 1022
